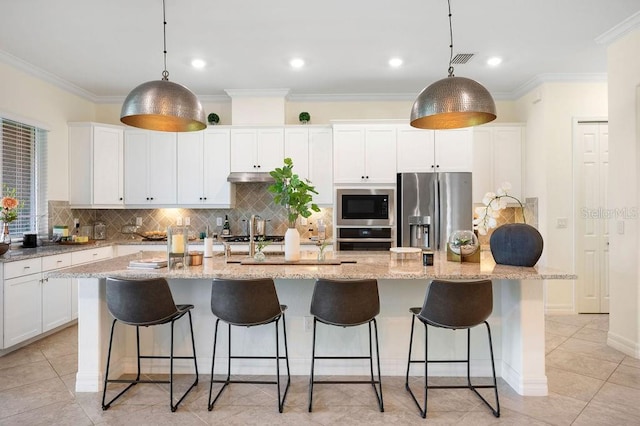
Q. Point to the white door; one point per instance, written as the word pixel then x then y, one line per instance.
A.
pixel 592 221
pixel 22 308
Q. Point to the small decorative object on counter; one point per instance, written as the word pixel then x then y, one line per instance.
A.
pixel 226 228
pixel 293 193
pixel 516 244
pixel 9 213
pixel 213 118
pixel 322 255
pixel 260 245
pixel 463 246
pixel 208 247
pixel 427 258
pixel 177 238
pixel 304 117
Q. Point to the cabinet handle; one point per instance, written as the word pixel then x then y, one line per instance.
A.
pixel 200 198
pixel 147 198
pixel 361 177
pixel 151 198
pixel 432 166
pixel 437 166
pixel 120 198
pixel 258 165
pixel 205 198
pixel 58 261
pixel 367 177
pixel 27 267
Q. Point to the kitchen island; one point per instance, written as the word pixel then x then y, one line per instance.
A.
pixel 517 321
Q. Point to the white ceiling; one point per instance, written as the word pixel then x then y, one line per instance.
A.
pixel 104 48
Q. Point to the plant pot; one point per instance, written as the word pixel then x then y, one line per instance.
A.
pixel 516 244
pixel 292 244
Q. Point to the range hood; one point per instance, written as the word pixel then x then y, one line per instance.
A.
pixel 248 177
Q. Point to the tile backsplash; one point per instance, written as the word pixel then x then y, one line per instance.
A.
pixel 251 198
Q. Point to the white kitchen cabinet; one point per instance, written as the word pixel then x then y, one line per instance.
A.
pixel 150 177
pixel 22 300
pixel 453 150
pixel 202 169
pixel 85 256
pixel 364 154
pixel 497 159
pixel 256 149
pixel 421 150
pixel 311 149
pixel 415 150
pixel 56 293
pixel 96 176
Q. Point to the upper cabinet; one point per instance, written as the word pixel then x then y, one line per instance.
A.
pixel 422 150
pixel 364 154
pixel 203 167
pixel 149 168
pixel 256 149
pixel 96 177
pixel 311 149
pixel 498 158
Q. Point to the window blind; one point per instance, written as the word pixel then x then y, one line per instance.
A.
pixel 23 167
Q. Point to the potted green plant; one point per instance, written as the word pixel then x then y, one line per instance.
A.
pixel 304 117
pixel 213 118
pixel 295 194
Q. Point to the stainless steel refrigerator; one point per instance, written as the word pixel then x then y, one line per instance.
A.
pixel 430 206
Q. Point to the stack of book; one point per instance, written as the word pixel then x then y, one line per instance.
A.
pixel 151 263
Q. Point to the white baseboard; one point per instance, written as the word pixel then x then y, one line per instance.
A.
pixel 623 345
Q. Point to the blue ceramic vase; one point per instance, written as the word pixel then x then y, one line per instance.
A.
pixel 516 244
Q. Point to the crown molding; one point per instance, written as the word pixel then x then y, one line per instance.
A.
pixel 620 30
pixel 37 72
pixel 257 93
pixel 554 78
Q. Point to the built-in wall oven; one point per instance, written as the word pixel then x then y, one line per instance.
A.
pixel 365 219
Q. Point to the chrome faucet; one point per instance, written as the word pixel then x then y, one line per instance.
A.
pixel 252 230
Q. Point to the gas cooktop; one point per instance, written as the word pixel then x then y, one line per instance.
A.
pixel 245 238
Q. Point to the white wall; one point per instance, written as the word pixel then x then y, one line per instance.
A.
pixel 624 130
pixel 549 112
pixel 31 98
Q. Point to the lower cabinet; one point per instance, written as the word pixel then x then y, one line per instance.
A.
pixel 56 293
pixel 22 308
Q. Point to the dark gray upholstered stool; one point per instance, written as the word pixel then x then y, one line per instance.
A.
pixel 346 303
pixel 247 303
pixel 454 305
pixel 144 303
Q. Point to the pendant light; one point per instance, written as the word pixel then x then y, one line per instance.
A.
pixel 163 105
pixel 453 102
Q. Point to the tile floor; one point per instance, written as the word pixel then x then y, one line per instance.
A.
pixel 589 383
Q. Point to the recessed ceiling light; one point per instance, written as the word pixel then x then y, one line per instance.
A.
pixel 198 63
pixel 494 62
pixel 395 62
pixel 297 63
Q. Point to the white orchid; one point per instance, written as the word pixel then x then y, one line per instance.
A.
pixel 486 216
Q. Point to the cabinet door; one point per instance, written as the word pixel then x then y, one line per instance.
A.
pixel 482 163
pixel 415 150
pixel 380 155
pixel 296 147
pixel 244 150
pixel 135 167
pixel 56 302
pixel 348 155
pixel 190 168
pixel 507 158
pixel 108 173
pixel 453 150
pixel 161 169
pixel 321 165
pixel 217 191
pixel 74 298
pixel 22 309
pixel 270 149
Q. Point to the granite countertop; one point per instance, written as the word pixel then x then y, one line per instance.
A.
pixel 368 265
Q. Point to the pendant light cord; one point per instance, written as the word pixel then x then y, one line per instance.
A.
pixel 165 73
pixel 450 44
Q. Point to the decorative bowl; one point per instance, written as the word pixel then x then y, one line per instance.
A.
pixel 4 247
pixel 463 243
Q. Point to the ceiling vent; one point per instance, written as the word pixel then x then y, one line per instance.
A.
pixel 462 58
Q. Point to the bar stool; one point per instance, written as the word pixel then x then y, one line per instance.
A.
pixel 346 303
pixel 247 303
pixel 143 303
pixel 454 305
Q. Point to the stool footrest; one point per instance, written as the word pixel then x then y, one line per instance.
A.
pixel 253 382
pixel 137 381
pixel 345 382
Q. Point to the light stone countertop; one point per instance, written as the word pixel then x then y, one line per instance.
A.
pixel 368 265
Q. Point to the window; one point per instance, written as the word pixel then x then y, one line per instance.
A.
pixel 23 166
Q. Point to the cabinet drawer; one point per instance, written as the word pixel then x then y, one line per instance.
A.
pixel 91 255
pixel 58 261
pixel 22 267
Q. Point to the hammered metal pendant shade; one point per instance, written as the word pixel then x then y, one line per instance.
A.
pixel 165 106
pixel 453 103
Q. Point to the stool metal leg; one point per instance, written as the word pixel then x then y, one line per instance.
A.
pixel 423 411
pixel 286 356
pixel 213 364
pixel 378 393
pixel 313 359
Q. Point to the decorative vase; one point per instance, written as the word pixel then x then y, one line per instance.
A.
pixel 259 256
pixel 516 244
pixel 292 245
pixel 5 239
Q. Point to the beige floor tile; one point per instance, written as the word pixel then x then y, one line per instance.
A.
pixel 624 398
pixel 599 414
pixel 601 322
pixel 552 341
pixel 28 397
pixel 626 376
pixel 592 335
pixel 559 328
pixel 156 415
pixel 63 414
pixel 21 356
pixel 507 417
pixel 581 364
pixel 631 362
pixel 25 374
pixel 592 349
pixel 580 320
pixel 572 385
pixel 554 409
pixel 65 364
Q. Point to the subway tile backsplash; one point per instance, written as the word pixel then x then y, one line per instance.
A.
pixel 251 198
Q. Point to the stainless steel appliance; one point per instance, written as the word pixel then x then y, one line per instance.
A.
pixel 364 239
pixel 365 207
pixel 431 206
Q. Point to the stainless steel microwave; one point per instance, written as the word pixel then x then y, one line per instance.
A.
pixel 365 207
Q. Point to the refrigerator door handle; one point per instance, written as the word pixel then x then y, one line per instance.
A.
pixel 436 211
